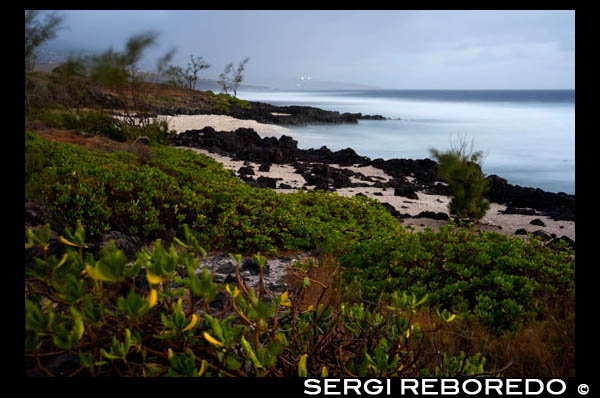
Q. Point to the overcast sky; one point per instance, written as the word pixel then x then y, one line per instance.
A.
pixel 385 49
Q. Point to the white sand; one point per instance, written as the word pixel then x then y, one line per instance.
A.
pixel 181 123
pixel 286 172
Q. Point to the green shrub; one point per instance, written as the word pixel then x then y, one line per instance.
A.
pixel 120 319
pixel 502 280
pixel 221 108
pixel 461 169
pixel 112 190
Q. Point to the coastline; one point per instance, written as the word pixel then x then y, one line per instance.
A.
pixel 371 182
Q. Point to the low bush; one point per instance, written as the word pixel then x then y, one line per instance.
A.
pixel 460 167
pixel 125 319
pixel 98 122
pixel 501 280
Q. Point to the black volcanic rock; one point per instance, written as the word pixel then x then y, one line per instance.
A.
pixel 324 175
pixel 433 215
pixel 516 210
pixel 406 190
pixel 251 265
pixel 37 212
pixel 538 222
pixel 559 206
pixel 267 182
pixel 570 242
pixel 264 167
pixel 289 115
pixel 438 189
pixel 542 235
pixel 370 117
pixel 248 170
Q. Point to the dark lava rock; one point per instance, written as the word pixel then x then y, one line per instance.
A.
pixel 247 170
pixel 424 171
pixel 129 244
pixel 537 221
pixel 322 186
pixel 542 235
pixel 439 189
pixel 279 287
pixel 219 302
pixel 323 175
pixel 243 143
pixel 285 186
pixel 248 180
pixel 364 196
pixel 520 231
pixel 371 117
pixel 267 182
pixel 231 278
pixel 570 242
pixel 391 209
pixel 37 212
pixel 559 206
pixel 516 210
pixel 264 167
pixel 406 191
pixel 377 194
pixel 433 215
pixel 226 268
pixel 251 265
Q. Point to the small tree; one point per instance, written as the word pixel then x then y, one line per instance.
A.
pixel 37 32
pixel 460 167
pixel 237 76
pixel 119 71
pixel 175 76
pixel 224 79
pixel 68 81
pixel 195 65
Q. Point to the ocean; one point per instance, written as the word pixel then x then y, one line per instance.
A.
pixel 527 136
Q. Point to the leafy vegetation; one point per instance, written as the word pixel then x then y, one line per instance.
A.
pixel 460 167
pixel 501 280
pixel 99 122
pixel 130 320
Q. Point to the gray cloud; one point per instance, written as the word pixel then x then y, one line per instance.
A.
pixel 388 49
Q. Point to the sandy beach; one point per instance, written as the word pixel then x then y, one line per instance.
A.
pixel 181 123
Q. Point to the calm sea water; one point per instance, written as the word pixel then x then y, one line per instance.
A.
pixel 528 136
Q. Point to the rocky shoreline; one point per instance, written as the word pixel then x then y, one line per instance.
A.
pixel 271 114
pixel 408 176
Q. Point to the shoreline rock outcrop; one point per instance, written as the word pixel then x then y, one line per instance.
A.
pixel 409 175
